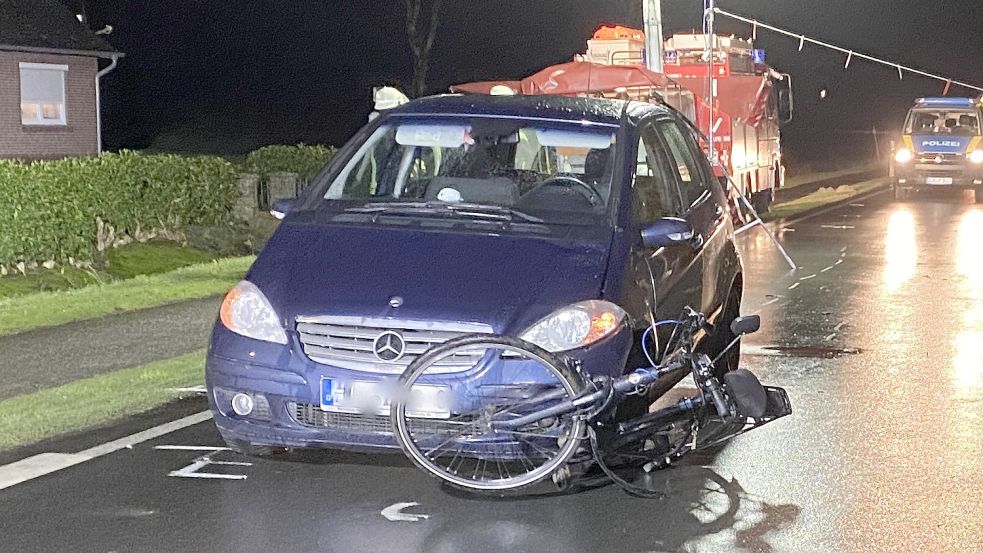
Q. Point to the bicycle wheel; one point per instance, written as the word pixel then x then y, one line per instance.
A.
pixel 455 438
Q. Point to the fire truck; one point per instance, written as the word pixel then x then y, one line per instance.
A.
pixel 750 101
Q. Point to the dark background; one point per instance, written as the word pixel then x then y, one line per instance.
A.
pixel 225 77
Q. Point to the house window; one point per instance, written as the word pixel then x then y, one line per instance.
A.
pixel 42 94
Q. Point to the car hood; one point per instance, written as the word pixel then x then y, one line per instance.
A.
pixel 506 280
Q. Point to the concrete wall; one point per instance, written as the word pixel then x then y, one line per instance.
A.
pixel 78 137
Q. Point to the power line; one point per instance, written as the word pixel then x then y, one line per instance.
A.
pixel 850 53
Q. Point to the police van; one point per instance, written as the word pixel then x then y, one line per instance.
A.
pixel 941 147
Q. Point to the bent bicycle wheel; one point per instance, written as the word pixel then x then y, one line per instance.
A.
pixel 468 413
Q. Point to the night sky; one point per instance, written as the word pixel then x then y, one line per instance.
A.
pixel 226 77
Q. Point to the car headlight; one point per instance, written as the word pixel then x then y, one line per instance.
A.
pixel 246 311
pixel 976 156
pixel 903 155
pixel 576 326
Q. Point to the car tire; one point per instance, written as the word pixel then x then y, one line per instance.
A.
pixel 901 194
pixel 722 335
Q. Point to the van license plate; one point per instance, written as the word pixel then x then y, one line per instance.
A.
pixel 938 180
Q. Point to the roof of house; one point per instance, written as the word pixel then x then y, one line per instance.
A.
pixel 47 26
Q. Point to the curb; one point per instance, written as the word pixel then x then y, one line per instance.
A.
pixel 798 217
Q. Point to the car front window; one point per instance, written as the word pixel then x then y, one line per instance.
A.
pixel 558 173
pixel 934 121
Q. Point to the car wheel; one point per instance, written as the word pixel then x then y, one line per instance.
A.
pixel 722 335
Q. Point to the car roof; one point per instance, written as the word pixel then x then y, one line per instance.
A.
pixel 554 108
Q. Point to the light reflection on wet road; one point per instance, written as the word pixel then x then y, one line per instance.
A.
pixel 882 452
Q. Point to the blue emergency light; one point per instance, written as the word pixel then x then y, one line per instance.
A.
pixel 758 56
pixel 946 102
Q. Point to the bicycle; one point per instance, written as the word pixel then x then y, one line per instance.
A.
pixel 554 415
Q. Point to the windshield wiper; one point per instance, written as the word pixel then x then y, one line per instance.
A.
pixel 481 211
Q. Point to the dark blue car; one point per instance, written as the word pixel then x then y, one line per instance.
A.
pixel 571 223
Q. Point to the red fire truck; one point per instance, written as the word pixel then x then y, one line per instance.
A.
pixel 750 102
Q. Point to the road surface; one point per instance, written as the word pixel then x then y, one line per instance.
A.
pixel 878 338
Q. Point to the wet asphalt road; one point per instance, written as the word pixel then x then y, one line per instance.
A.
pixel 882 452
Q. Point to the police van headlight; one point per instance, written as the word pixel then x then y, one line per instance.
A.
pixel 976 156
pixel 903 155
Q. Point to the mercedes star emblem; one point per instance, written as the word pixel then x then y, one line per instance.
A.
pixel 389 346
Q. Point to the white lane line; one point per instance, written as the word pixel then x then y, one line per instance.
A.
pixel 839 227
pixel 808 277
pixel 830 337
pixel 190 448
pixel 47 463
pixel 794 286
pixel 771 301
pixel 838 261
pixel 839 326
pixel 827 269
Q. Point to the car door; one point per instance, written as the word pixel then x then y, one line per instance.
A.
pixel 701 209
pixel 665 279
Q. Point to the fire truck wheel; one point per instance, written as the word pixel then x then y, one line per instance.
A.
pixel 762 201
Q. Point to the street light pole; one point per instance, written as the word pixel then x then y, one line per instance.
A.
pixel 654 42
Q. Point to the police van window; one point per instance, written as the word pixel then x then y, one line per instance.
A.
pixel 942 121
pixel 684 162
pixel 656 195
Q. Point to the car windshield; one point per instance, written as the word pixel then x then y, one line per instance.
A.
pixel 936 121
pixel 549 173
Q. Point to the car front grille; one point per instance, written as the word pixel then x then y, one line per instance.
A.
pixel 312 416
pixel 348 342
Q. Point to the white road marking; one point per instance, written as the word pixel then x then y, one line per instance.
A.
pixel 839 326
pixel 193 470
pixel 808 277
pixel 830 337
pixel 394 513
pixel 771 301
pixel 838 261
pixel 830 268
pixel 47 463
pixel 839 227
pixel 763 351
pixel 794 286
pixel 190 448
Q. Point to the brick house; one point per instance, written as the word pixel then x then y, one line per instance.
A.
pixel 50 66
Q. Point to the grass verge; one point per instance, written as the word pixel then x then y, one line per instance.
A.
pixel 149 258
pixel 94 401
pixel 806 178
pixel 31 311
pixel 820 198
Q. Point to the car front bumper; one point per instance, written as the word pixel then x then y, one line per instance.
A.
pixel 286 388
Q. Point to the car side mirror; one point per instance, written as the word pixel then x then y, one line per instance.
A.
pixel 668 231
pixel 745 325
pixel 282 207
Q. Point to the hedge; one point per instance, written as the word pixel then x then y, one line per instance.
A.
pixel 49 209
pixel 304 159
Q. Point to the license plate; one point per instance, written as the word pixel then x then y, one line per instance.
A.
pixel 373 398
pixel 938 180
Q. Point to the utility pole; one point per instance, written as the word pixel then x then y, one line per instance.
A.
pixel 712 93
pixel 654 43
